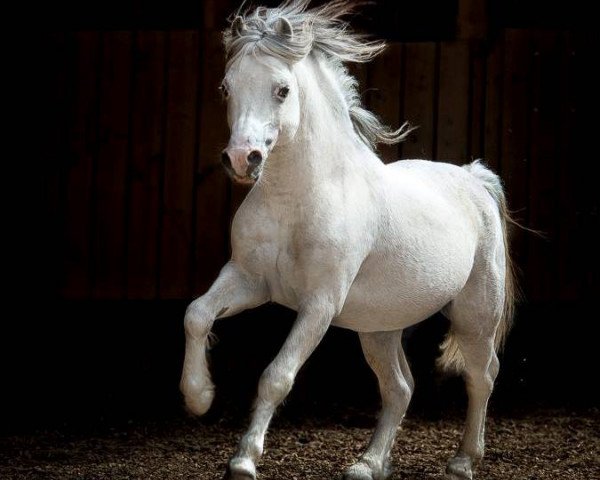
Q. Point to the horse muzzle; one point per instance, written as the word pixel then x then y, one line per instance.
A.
pixel 243 165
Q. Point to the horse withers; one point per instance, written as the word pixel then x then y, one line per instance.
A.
pixel 333 233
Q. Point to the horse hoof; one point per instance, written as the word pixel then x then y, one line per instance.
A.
pixel 363 471
pixel 459 468
pixel 240 469
pixel 229 475
pixel 238 476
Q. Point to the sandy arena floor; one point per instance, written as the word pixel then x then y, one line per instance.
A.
pixel 549 445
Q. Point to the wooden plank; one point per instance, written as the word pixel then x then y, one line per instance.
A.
pixel 54 57
pixel 453 105
pixel 180 141
pixel 216 13
pixel 494 104
pixel 212 186
pixel 147 158
pixel 516 132
pixel 477 100
pixel 111 170
pixel 543 165
pixel 213 217
pixel 568 245
pixel 419 99
pixel 582 160
pixel 473 20
pixel 83 143
pixel 385 85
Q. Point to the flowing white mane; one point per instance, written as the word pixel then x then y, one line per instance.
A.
pixel 291 32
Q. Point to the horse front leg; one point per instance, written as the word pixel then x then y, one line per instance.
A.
pixel 276 382
pixel 234 290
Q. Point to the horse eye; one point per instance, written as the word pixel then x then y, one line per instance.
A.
pixel 224 91
pixel 282 92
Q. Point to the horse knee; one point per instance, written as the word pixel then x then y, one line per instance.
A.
pixel 275 384
pixel 197 321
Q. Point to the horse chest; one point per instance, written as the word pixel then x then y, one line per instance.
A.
pixel 282 253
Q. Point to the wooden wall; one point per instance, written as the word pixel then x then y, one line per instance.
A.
pixel 141 208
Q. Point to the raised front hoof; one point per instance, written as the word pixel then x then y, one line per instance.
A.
pixel 459 468
pixel 240 469
pixel 362 471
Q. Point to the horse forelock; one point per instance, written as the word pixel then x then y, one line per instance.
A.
pixel 321 28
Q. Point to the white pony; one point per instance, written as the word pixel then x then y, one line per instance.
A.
pixel 331 232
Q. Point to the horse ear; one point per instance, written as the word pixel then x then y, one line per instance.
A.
pixel 284 27
pixel 237 25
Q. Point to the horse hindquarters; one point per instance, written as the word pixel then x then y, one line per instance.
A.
pixel 480 317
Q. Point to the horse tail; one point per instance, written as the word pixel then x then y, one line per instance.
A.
pixel 451 358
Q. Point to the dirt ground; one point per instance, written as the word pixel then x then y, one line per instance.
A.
pixel 534 447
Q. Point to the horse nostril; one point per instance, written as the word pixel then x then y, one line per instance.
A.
pixel 225 159
pixel 255 157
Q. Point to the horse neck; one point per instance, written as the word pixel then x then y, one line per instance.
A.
pixel 325 145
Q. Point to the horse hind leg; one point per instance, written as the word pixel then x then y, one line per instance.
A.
pixel 384 354
pixel 474 319
pixel 481 367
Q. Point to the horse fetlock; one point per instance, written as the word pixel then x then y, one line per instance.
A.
pixel 472 454
pixel 198 396
pixel 250 447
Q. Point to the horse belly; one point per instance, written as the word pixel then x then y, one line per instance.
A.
pixel 388 295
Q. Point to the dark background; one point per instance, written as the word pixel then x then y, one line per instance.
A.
pixel 123 211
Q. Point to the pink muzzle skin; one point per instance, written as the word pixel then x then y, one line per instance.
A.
pixel 242 163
